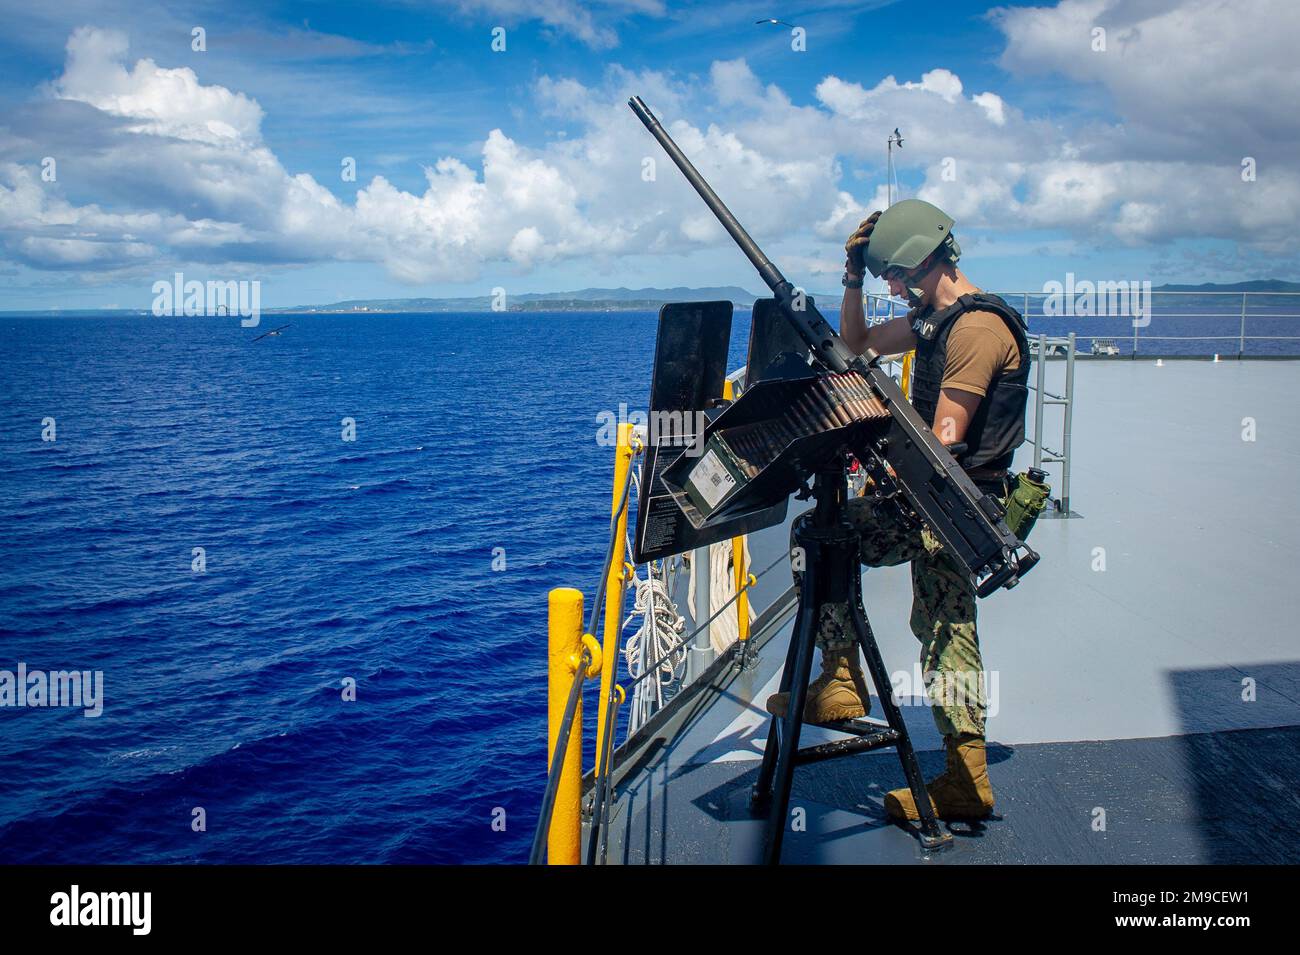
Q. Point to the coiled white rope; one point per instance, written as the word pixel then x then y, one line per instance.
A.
pixel 662 624
pixel 725 630
pixel 661 628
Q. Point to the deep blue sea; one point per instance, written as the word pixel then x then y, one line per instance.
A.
pixel 326 560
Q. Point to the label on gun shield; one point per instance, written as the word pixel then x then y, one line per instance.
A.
pixel 711 479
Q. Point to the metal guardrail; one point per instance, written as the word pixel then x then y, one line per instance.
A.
pixel 1246 308
pixel 575 655
pixel 571 649
pixel 568 648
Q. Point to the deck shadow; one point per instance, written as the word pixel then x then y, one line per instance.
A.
pixel 1240 783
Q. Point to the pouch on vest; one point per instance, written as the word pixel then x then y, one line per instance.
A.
pixel 1027 500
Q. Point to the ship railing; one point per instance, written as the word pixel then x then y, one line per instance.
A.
pixel 1242 307
pixel 575 655
pixel 1244 317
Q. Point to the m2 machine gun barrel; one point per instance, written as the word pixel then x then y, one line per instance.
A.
pixel 967 522
pixel 812 327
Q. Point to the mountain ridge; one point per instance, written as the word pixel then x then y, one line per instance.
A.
pixel 601 299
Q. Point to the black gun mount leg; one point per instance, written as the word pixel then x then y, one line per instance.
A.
pixel 931 835
pixel 761 794
pixel 831 575
pixel 772 791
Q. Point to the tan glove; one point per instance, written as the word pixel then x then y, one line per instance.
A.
pixel 857 244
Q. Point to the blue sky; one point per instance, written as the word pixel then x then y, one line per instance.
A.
pixel 522 168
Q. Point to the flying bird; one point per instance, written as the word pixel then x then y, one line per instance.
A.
pixel 274 331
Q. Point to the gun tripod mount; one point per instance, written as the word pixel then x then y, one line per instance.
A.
pixel 831 575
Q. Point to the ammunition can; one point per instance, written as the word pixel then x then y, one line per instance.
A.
pixel 715 477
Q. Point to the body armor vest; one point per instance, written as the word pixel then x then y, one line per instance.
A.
pixel 998 427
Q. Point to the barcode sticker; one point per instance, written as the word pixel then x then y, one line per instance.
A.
pixel 711 479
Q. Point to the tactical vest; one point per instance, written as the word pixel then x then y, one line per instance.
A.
pixel 998 427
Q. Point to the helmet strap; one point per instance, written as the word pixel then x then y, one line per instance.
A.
pixel 914 293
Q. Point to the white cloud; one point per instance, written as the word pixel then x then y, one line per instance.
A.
pixel 192 180
pixel 734 82
pixel 1198 86
pixel 185 146
pixel 192 146
pixel 592 27
pixel 1212 76
pixel 992 104
pixel 853 100
pixel 167 102
pixel 936 119
pixel 941 82
pixel 848 214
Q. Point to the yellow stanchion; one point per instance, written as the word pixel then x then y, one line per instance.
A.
pixel 564 656
pixel 742 598
pixel 906 383
pixel 738 552
pixel 614 586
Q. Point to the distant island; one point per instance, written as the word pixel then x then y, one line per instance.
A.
pixel 1258 285
pixel 581 300
pixel 596 300
pixel 649 299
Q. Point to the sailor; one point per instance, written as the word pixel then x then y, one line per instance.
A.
pixel 969 383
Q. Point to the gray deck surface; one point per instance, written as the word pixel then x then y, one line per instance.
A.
pixel 1123 691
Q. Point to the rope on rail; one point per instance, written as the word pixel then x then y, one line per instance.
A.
pixel 722 585
pixel 598 840
pixel 660 623
pixel 684 641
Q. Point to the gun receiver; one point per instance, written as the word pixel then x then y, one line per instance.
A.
pixel 967 522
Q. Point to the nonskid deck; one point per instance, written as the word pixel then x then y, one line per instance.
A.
pixel 1144 680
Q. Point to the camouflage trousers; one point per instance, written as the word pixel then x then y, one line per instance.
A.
pixel 943 616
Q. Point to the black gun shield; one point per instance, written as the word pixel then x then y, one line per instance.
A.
pixel 775 348
pixel 689 370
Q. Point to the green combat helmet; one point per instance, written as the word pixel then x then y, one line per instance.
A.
pixel 905 234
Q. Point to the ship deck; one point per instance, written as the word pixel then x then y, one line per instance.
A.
pixel 1147 712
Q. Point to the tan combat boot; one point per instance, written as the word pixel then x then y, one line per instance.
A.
pixel 840 693
pixel 961 792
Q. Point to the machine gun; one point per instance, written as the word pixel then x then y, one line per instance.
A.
pixel 852 404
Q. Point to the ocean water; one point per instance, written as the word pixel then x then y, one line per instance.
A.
pixel 327 560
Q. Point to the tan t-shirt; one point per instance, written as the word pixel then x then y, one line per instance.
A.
pixel 980 348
